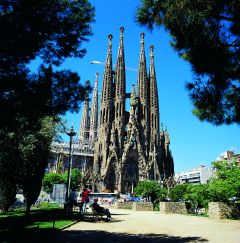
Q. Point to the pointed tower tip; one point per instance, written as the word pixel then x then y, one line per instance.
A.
pixel 152 71
pixel 162 126
pixel 142 37
pixel 109 53
pixel 87 82
pixel 121 29
pixel 110 36
pixel 121 33
pixel 96 74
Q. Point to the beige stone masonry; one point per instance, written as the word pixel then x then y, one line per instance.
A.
pixel 222 210
pixel 124 205
pixel 142 206
pixel 173 207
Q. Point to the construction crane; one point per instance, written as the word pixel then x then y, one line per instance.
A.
pixel 102 63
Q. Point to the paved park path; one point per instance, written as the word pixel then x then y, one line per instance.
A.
pixel 140 226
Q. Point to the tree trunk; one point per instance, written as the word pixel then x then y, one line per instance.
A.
pixel 28 208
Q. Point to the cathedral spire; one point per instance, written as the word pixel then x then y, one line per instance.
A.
pixel 109 54
pixel 167 139
pixel 142 75
pixel 94 113
pixel 84 126
pixel 106 114
pixel 152 66
pixel 120 69
pixel 120 49
pixel 154 107
pixel 142 53
pixel 143 94
pixel 108 72
pixel 120 92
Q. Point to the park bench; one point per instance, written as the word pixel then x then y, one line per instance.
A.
pixel 96 215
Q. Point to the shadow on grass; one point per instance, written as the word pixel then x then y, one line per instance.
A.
pixel 103 236
pixel 16 227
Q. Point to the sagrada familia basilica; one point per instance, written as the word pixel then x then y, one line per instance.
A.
pixel 125 147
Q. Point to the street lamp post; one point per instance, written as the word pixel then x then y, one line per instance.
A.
pixel 71 134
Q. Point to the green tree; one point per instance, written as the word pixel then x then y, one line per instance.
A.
pixel 197 195
pixel 50 30
pixel 52 178
pixel 162 194
pixel 56 178
pixel 151 190
pixel 76 177
pixel 35 154
pixel 177 193
pixel 206 34
pixel 226 184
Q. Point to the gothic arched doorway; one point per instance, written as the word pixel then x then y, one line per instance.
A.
pixel 110 178
pixel 130 175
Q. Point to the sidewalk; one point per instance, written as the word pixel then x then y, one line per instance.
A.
pixel 138 226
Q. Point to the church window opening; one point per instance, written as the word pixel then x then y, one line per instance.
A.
pixel 103 115
pixel 117 111
pixel 107 115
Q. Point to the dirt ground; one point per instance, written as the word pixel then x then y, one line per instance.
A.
pixel 139 226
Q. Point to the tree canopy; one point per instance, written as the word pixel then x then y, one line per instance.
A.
pixel 56 178
pixel 151 190
pixel 30 103
pixel 206 34
pixel 226 184
pixel 50 29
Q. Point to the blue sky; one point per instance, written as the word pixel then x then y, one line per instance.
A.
pixel 192 142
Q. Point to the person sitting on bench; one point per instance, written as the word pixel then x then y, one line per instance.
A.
pixel 101 210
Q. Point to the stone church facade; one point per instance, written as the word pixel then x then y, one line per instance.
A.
pixel 128 145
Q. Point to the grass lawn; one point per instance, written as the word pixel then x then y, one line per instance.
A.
pixel 42 221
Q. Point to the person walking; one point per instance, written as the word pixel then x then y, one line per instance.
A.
pixel 85 199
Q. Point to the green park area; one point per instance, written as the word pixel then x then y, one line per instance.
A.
pixel 43 221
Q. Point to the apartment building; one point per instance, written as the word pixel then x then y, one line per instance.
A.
pixel 199 175
pixel 229 156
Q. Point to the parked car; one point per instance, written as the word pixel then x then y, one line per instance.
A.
pixel 135 199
